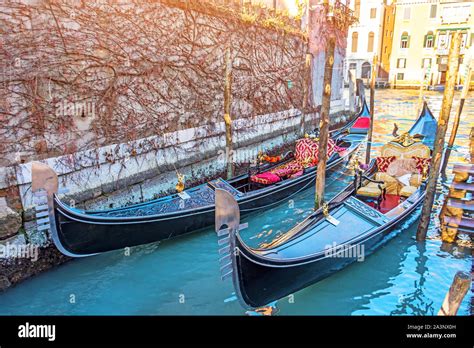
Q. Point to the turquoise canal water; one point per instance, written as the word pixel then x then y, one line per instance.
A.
pixel 181 276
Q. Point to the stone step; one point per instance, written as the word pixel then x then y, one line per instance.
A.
pixel 464 168
pixel 466 224
pixel 463 186
pixel 467 205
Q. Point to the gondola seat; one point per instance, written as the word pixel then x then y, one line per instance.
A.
pixel 306 156
pixel 408 157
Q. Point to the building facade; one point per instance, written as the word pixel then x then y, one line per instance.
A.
pixel 370 36
pixel 422 37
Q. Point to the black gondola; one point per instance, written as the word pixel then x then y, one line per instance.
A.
pixel 328 240
pixel 79 233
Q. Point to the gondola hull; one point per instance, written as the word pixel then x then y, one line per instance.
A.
pixel 346 230
pixel 262 283
pixel 80 235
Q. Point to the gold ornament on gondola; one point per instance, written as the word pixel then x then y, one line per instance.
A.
pixel 424 173
pixel 180 184
pixel 260 157
pixel 405 140
pixel 353 163
pixel 325 208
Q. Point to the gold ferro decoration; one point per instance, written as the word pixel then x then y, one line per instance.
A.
pixel 405 140
pixel 180 184
pixel 353 162
pixel 325 208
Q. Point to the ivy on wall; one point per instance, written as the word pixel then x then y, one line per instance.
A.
pixel 78 75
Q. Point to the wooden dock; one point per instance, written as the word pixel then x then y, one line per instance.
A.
pixel 457 214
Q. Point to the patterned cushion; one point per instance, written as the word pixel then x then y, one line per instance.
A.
pixel 287 169
pixel 297 174
pixel 384 162
pixel 421 163
pixel 265 178
pixel 402 166
pixel 306 151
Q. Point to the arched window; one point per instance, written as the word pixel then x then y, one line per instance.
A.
pixel 429 40
pixel 370 46
pixel 365 74
pixel 357 8
pixel 405 42
pixel 355 41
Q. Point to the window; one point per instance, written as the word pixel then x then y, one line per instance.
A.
pixel 426 62
pixel 400 76
pixel 373 13
pixel 370 46
pixel 385 49
pixel 365 73
pixel 443 41
pixel 429 40
pixel 405 40
pixel 353 66
pixel 433 11
pixel 407 13
pixel 401 63
pixel 357 8
pixel 355 39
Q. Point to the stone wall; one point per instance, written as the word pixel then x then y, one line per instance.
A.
pixel 77 75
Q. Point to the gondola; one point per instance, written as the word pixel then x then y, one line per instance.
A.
pixel 350 226
pixel 78 233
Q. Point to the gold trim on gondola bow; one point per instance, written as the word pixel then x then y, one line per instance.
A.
pixel 405 140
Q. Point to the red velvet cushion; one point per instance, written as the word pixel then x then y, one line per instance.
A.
pixel 384 162
pixel 421 163
pixel 265 178
pixel 362 123
pixel 287 169
pixel 297 174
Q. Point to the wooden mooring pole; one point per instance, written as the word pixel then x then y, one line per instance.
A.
pixel 456 293
pixel 324 124
pixel 227 108
pixel 454 131
pixel 453 68
pixel 306 90
pixel 372 109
